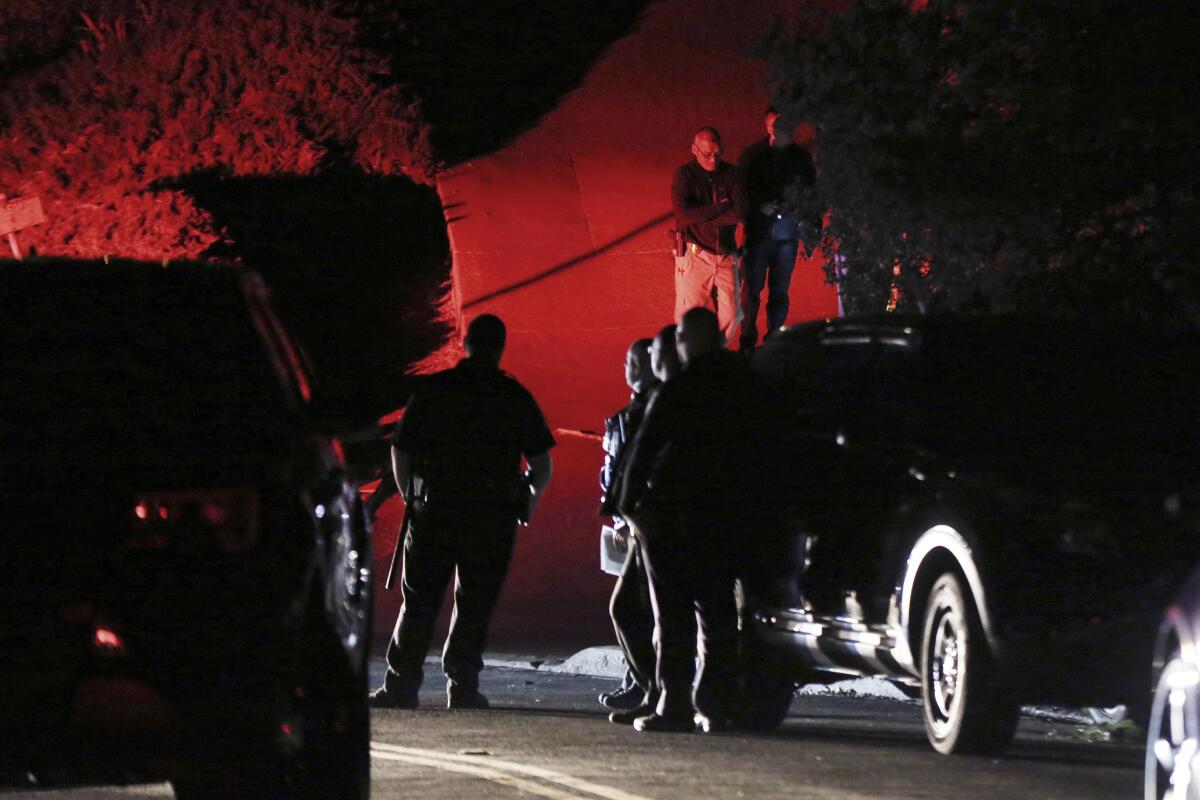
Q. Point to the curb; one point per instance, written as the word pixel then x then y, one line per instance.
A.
pixel 608 662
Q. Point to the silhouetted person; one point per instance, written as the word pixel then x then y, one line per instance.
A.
pixel 664 363
pixel 685 492
pixel 709 201
pixel 630 604
pixel 664 358
pixel 775 171
pixel 456 456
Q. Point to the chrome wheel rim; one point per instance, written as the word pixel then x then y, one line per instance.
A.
pixel 1172 747
pixel 945 664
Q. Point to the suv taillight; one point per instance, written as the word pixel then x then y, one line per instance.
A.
pixel 194 520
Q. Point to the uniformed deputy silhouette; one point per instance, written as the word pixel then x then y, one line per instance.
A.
pixel 456 456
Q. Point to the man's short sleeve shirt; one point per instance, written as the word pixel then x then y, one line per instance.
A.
pixel 473 418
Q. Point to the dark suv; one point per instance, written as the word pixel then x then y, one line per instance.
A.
pixel 186 587
pixel 991 511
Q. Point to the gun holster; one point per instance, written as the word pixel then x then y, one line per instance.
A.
pixel 678 242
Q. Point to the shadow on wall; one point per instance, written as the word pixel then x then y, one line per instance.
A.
pixel 487 72
pixel 357 264
pixel 570 263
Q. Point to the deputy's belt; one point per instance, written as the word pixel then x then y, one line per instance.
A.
pixel 699 248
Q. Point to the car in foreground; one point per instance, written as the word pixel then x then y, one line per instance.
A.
pixel 187 583
pixel 991 511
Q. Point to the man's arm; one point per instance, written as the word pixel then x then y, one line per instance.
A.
pixel 541 469
pixel 642 452
pixel 682 202
pixel 402 470
pixel 734 211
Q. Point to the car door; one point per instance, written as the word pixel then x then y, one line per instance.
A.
pixel 835 480
pixel 897 475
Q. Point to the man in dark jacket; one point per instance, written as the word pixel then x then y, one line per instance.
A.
pixel 630 604
pixel 779 176
pixel 689 490
pixel 456 457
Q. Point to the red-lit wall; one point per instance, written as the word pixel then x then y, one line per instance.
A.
pixel 563 235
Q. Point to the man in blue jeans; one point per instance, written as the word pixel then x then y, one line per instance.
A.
pixel 777 174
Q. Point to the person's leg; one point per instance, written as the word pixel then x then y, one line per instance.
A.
pixel 782 263
pixel 693 282
pixel 727 280
pixel 758 250
pixel 428 565
pixel 674 628
pixel 483 554
pixel 633 618
pixel 717 644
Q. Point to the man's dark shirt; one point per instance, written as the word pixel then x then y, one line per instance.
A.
pixel 695 198
pixel 768 172
pixel 467 428
pixel 619 430
pixel 703 434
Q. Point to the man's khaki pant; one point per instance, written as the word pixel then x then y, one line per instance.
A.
pixel 713 282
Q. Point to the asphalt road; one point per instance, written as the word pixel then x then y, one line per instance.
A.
pixel 546 737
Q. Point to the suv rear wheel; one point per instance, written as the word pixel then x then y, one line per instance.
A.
pixel 965 706
pixel 765 686
pixel 323 747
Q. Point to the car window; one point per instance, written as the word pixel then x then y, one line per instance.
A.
pixel 892 409
pixel 287 358
pixel 1077 402
pixel 820 374
pixel 132 360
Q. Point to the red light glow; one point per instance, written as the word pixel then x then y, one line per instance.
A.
pixel 141 510
pixel 163 512
pixel 215 513
pixel 107 639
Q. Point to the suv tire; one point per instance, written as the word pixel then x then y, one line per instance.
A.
pixel 326 755
pixel 966 708
pixel 765 687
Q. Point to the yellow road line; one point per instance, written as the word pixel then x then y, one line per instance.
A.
pixel 499 770
pixel 495 776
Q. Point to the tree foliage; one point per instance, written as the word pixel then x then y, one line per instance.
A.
pixel 248 130
pixel 1008 155
pixel 156 91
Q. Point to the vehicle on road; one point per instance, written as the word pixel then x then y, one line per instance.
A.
pixel 187 584
pixel 1173 730
pixel 991 511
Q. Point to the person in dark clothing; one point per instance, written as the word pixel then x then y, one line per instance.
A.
pixel 630 604
pixel 664 363
pixel 708 201
pixel 776 172
pixel 456 456
pixel 664 358
pixel 688 490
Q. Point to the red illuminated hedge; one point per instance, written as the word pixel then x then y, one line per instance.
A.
pixel 152 91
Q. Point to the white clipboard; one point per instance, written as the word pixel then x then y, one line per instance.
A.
pixel 612 555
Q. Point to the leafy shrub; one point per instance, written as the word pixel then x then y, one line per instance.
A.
pixel 271 87
pixel 982 153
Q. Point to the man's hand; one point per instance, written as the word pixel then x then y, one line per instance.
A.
pixel 541 468
pixel 768 209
